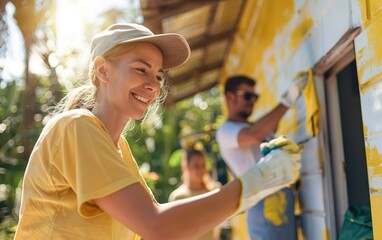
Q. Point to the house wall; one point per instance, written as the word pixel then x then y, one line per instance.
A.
pixel 368 47
pixel 278 39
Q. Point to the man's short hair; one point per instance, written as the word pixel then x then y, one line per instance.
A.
pixel 235 81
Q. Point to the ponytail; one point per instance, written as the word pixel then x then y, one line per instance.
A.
pixel 80 97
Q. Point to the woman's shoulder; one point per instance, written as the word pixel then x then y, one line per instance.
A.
pixel 73 115
pixel 80 117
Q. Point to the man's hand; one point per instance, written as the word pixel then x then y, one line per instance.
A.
pixel 294 92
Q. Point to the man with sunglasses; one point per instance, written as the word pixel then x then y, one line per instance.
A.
pixel 239 144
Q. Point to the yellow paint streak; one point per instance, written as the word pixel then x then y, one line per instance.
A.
pixel 325 234
pixel 272 60
pixel 374 166
pixel 376 203
pixel 373 157
pixel 369 9
pixel 365 130
pixel 267 27
pixel 364 86
pixel 300 233
pixel 361 67
pixel 253 50
pixel 373 51
pixel 247 15
pixel 266 100
pixel 289 124
pixel 369 60
pixel 365 10
pixel 274 208
pixel 375 6
pixel 377 170
pixel 264 32
pixel 298 34
pixel 239 226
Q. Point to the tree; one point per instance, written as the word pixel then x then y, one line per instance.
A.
pixel 21 114
pixel 29 15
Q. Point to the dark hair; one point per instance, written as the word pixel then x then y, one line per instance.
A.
pixel 235 81
pixel 190 152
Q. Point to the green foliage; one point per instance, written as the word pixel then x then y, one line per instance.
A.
pixel 12 157
pixel 175 159
pixel 11 163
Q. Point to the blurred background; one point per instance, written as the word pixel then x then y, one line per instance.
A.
pixel 44 47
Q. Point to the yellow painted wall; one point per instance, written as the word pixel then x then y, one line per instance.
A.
pixel 270 34
pixel 374 163
pixel 369 64
pixel 262 47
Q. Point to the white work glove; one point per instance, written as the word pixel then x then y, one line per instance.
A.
pixel 276 170
pixel 294 92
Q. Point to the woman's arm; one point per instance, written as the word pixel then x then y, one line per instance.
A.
pixel 183 219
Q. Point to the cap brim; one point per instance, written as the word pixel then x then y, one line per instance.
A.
pixel 174 48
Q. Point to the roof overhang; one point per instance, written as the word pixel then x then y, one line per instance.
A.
pixel 209 27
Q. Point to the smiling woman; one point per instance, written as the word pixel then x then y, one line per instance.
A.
pixel 82 180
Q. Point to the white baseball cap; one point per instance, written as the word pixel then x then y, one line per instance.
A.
pixel 174 47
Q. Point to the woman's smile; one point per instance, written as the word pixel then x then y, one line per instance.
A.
pixel 140 98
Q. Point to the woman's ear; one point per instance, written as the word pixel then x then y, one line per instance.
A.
pixel 101 68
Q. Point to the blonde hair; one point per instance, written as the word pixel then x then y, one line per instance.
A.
pixel 84 96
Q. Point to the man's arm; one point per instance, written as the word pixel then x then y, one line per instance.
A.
pixel 267 124
pixel 260 129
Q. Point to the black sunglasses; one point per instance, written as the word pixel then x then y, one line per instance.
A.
pixel 248 96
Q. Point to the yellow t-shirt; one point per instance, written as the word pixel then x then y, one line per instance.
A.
pixel 73 162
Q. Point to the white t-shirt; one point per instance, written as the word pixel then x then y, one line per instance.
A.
pixel 238 159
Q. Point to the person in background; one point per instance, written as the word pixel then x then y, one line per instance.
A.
pixel 196 180
pixel 239 143
pixel 82 181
